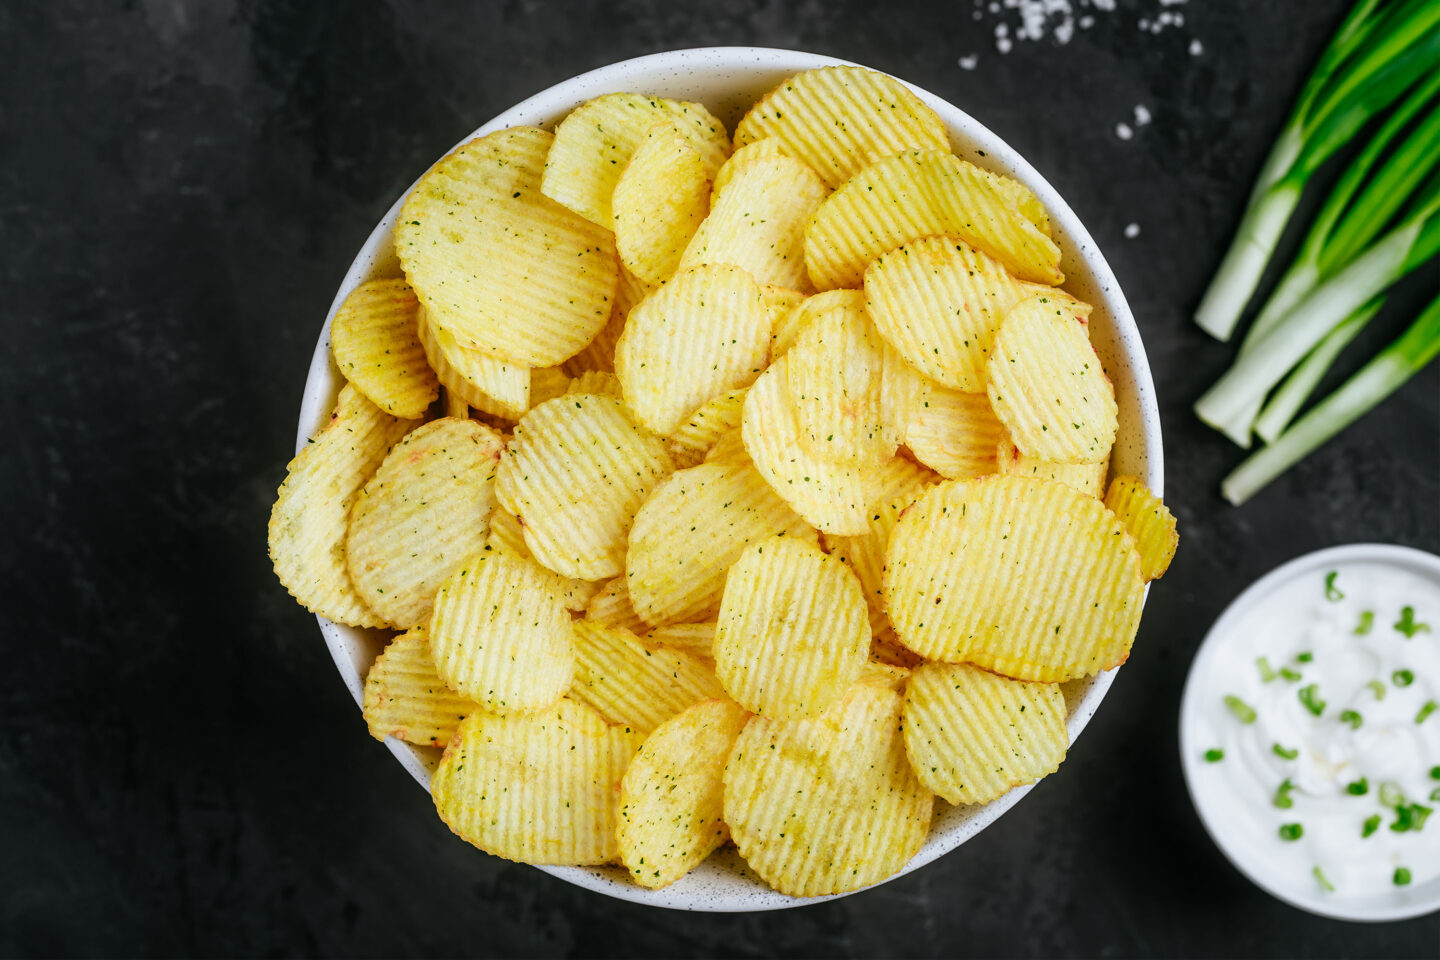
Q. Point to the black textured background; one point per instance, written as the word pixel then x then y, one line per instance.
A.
pixel 183 185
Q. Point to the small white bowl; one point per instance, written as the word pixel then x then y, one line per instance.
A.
pixel 1248 858
pixel 728 80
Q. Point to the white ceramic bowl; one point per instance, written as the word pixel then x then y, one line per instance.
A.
pixel 728 80
pixel 1248 857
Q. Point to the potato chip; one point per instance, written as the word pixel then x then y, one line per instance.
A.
pixel 312 507
pixel 956 434
pixel 507 533
pixel 489 385
pixel 703 333
pixel 1024 199
pixel 829 803
pixel 594 381
pixel 1028 578
pixel 800 316
pixel 972 735
pixel 888 675
pixel 758 222
pixel 939 303
pixel 499 266
pixel 672 797
pixel 828 494
pixel 885 648
pixel 501 636
pixel 406 699
pixel 841 119
pixel 421 516
pixel 834 376
pixel 377 348
pixel 696 524
pixel 578 469
pixel 754 151
pixel 917 194
pixel 1088 478
pixel 547 383
pixel 659 201
pixel 729 449
pixel 792 633
pixel 599 354
pixel 454 405
pixel 538 789
pixel 693 638
pixel 1047 386
pixel 634 682
pixel 596 141
pixel 694 438
pixel 611 606
pixel 1149 521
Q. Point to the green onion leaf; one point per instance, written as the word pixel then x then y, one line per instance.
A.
pixel 1214 755
pixel 1291 831
pixel 1358 788
pixel 1367 621
pixel 1305 657
pixel 1402 678
pixel 1292 675
pixel 1372 823
pixel 1289 753
pixel 1430 707
pixel 1310 698
pixel 1402 877
pixel 1391 795
pixel 1242 710
pixel 1332 592
pixel 1378 687
pixel 1282 795
pixel 1352 718
pixel 1266 673
pixel 1407 624
pixel 1324 881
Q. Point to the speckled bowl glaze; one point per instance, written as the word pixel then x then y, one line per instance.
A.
pixel 728 80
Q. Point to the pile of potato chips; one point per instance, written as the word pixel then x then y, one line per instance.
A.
pixel 765 500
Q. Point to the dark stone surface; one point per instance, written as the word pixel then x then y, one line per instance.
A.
pixel 184 183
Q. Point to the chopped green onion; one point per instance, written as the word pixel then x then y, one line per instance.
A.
pixel 1435 795
pixel 1402 877
pixel 1402 678
pixel 1358 788
pixel 1407 624
pixel 1352 718
pixel 1214 755
pixel 1282 795
pixel 1367 621
pixel 1430 707
pixel 1266 673
pixel 1324 881
pixel 1305 657
pixel 1310 697
pixel 1435 773
pixel 1288 674
pixel 1378 687
pixel 1242 710
pixel 1332 592
pixel 1410 817
pixel 1289 753
pixel 1291 831
pixel 1372 823
pixel 1391 795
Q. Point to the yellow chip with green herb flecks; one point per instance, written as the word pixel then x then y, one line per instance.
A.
pixel 611 606
pixel 827 804
pixel 781 302
pixel 489 385
pixel 885 648
pixel 972 735
pixel 377 348
pixel 498 265
pixel 672 797
pixel 1046 384
pixel 659 201
pixel 753 151
pixel 454 405
pixel 1149 521
pixel 792 633
pixel 547 383
pixel 312 507
pixel 840 119
pixel 693 638
pixel 697 435
pixel 541 789
pixel 1088 478
pixel 888 675
pixel 578 468
pixel 917 194
pixel 507 533
pixel 802 314
pixel 406 699
pixel 956 434
pixel 423 513
pixel 636 682
pixel 1028 578
pixel 599 354
pixel 501 636
pixel 594 381
pixel 729 449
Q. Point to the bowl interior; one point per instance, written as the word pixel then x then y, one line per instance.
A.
pixel 727 80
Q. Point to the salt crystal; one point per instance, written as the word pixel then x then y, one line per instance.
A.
pixel 1132 231
pixel 1142 115
pixel 1003 44
pixel 1123 131
pixel 1196 48
pixel 968 62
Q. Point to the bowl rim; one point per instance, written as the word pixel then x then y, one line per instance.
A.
pixel 1425 898
pixel 323 378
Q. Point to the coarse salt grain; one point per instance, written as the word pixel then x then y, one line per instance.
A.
pixel 1132 230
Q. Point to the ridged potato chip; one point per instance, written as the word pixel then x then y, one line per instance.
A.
pixel 802 314
pixel 660 199
pixel 829 803
pixel 1047 386
pixel 1149 521
pixel 834 374
pixel 599 354
pixel 499 266
pixel 693 638
pixel 454 405
pixel 539 789
pixel 312 507
pixel 611 606
pixel 593 381
pixel 423 514
pixel 547 383
pixel 703 333
pixel 634 682
pixel 501 636
pixel 672 797
pixel 1088 478
pixel 378 349
pixel 781 302
pixel 696 524
pixel 939 303
pixel 507 533
pixel 792 633
pixel 955 434
pixel 1028 578
pixel 884 648
pixel 758 222
pixel 729 448
pixel 489 385
pixel 972 735
pixel 693 439
pixel 828 494
pixel 753 151
pixel 917 194
pixel 406 699
pixel 596 141
pixel 888 675
pixel 841 119
pixel 578 468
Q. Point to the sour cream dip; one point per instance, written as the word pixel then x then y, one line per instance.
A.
pixel 1310 732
